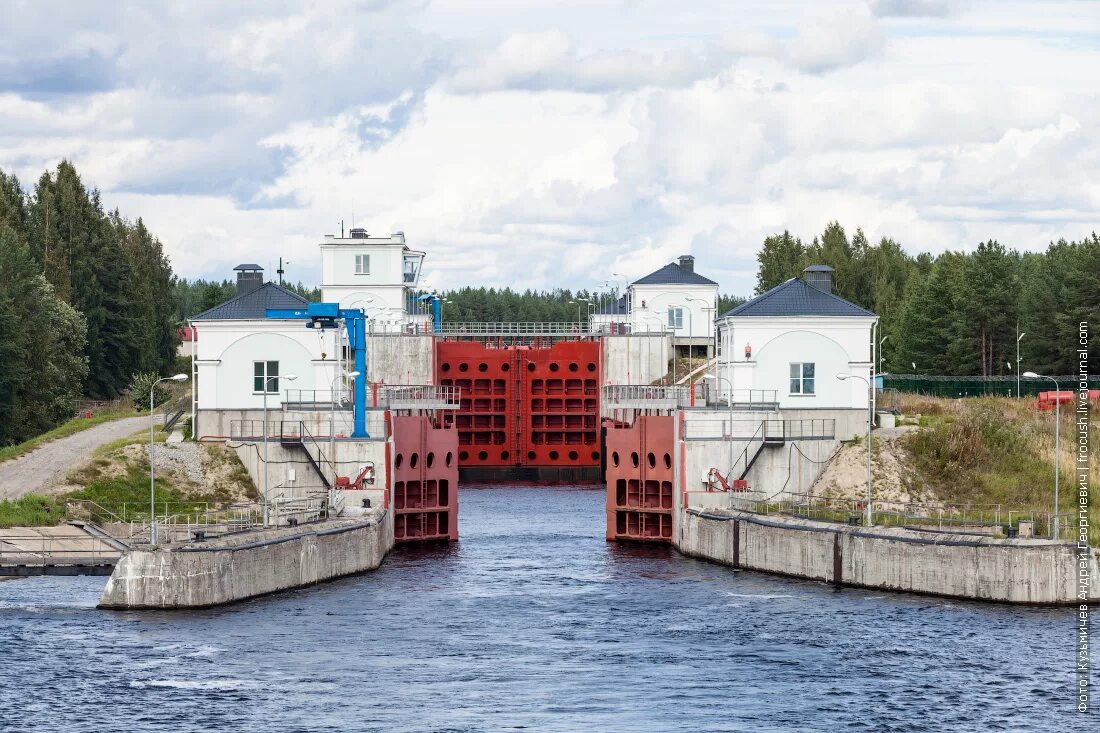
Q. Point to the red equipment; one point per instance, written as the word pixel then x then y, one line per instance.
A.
pixel 366 476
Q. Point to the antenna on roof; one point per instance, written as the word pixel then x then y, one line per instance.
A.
pixel 280 271
pixel 341 229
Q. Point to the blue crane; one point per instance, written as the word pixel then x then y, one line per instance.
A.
pixel 324 316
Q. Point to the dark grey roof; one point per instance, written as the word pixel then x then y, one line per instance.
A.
pixel 253 304
pixel 819 268
pixel 673 274
pixel 798 298
pixel 616 307
pixel 248 266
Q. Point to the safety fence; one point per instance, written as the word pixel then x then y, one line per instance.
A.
pixel 1004 386
pixel 770 430
pixel 977 519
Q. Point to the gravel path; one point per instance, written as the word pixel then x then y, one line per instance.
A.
pixel 47 465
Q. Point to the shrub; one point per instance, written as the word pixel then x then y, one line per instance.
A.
pixel 140 385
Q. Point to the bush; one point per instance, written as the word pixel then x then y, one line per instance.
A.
pixel 140 385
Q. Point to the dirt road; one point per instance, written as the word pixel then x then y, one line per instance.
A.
pixel 47 465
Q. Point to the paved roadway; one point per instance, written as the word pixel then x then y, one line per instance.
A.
pixel 46 466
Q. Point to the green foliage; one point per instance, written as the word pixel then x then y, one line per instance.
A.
pixel 84 302
pixel 32 510
pixel 956 313
pixel 139 389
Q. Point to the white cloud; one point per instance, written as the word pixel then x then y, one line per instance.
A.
pixel 549 146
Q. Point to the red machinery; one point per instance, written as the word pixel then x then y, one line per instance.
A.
pixel 365 477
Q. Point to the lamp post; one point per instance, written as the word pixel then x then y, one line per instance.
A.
pixel 730 401
pixel 880 343
pixel 267 509
pixel 869 516
pixel 152 490
pixel 1017 369
pixel 1057 441
pixel 332 425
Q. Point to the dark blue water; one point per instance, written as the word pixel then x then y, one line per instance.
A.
pixel 533 622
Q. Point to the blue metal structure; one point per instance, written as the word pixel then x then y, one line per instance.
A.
pixel 325 315
pixel 437 310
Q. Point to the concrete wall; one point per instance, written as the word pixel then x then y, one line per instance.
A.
pixel 400 359
pixel 218 424
pixel 635 359
pixel 290 474
pixel 959 566
pixel 199 575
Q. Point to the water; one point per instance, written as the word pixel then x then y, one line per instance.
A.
pixel 533 622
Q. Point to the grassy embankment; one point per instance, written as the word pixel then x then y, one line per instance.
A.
pixel 997 450
pixel 118 481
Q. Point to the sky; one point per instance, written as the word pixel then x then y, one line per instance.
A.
pixel 565 144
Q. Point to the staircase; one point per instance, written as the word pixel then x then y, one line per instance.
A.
pixel 301 438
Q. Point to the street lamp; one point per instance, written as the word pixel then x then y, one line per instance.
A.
pixel 332 425
pixel 289 378
pixel 880 343
pixel 152 490
pixel 1017 369
pixel 1057 440
pixel 870 418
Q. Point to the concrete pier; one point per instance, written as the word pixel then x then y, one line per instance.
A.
pixel 888 558
pixel 232 569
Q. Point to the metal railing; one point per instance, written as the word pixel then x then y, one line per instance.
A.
pixel 976 519
pixel 28 548
pixel 418 397
pixel 541 328
pixel 318 398
pixel 772 430
pixel 645 396
pixel 748 397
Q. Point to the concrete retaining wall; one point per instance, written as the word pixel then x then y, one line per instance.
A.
pixel 958 566
pixel 199 575
pixel 351 457
pixel 635 359
pixel 400 359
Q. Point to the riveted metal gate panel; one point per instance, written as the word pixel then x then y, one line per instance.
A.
pixel 640 479
pixel 524 405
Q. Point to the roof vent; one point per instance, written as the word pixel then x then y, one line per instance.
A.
pixel 820 277
pixel 249 277
pixel 358 233
pixel 687 263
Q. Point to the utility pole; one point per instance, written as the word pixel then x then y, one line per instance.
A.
pixel 1018 337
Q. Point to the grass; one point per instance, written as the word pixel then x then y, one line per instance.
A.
pixel 64 430
pixel 126 496
pixel 997 450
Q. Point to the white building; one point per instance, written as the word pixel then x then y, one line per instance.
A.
pixel 790 344
pixel 381 275
pixel 674 299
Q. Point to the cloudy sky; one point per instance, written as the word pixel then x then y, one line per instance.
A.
pixel 552 144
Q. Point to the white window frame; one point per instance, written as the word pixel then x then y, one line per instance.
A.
pixel 265 374
pixel 799 379
pixel 362 264
pixel 676 321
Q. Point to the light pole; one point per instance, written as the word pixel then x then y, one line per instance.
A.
pixel 1017 369
pixel 870 517
pixel 332 426
pixel 880 343
pixel 730 401
pixel 289 378
pixel 152 490
pixel 1057 441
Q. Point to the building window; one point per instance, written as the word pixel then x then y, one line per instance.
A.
pixel 675 317
pixel 362 264
pixel 262 373
pixel 802 378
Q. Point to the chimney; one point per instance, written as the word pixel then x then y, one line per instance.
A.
pixel 687 263
pixel 820 277
pixel 249 277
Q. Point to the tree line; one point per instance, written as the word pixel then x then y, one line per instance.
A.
pixel 956 313
pixel 85 301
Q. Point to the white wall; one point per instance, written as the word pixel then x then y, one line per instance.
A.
pixel 836 345
pixel 227 350
pixel 658 299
